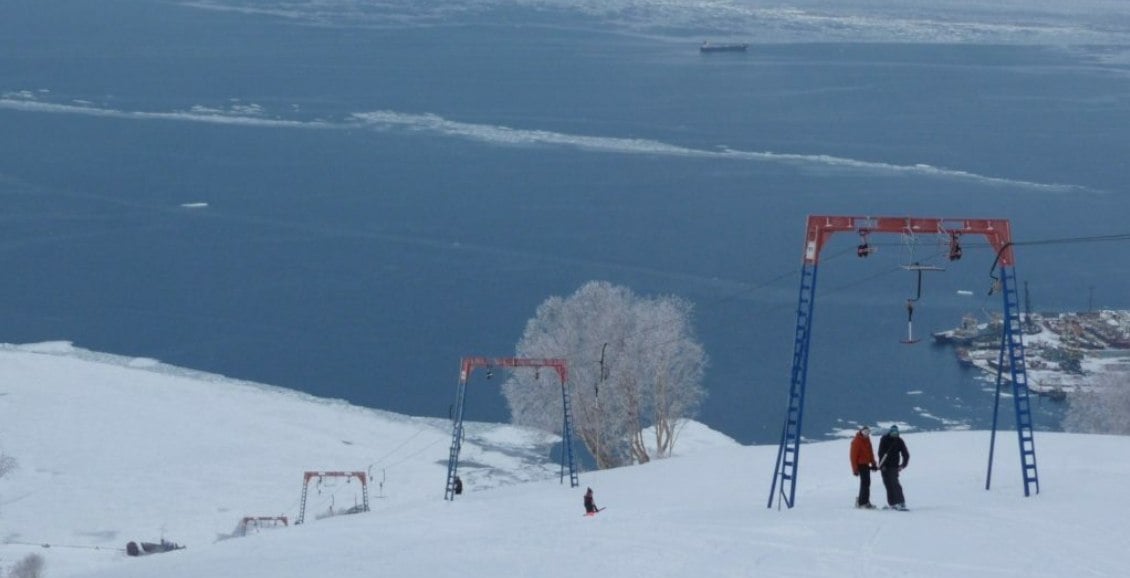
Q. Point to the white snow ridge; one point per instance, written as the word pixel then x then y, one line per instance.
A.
pixel 110 450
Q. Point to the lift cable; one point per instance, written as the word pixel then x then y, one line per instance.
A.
pixel 751 289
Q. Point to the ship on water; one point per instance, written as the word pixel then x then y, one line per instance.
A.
pixel 723 47
pixel 970 331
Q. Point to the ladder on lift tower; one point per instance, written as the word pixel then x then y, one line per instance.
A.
pixel 567 439
pixel 1012 345
pixel 456 441
pixel 789 450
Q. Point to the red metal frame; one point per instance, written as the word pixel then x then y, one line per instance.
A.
pixel 468 364
pixel 260 521
pixel 257 519
pixel 996 231
pixel 359 475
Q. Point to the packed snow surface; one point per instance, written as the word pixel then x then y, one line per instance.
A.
pixel 111 450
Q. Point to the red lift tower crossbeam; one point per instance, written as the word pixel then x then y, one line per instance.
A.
pixel 249 522
pixel 469 364
pixel 996 231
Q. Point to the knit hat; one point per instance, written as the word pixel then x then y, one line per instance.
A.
pixel 894 430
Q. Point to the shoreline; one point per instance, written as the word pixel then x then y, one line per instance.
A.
pixel 1064 352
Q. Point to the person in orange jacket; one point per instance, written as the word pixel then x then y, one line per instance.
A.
pixel 862 464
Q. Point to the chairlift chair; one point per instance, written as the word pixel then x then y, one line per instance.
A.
pixel 919 269
pixel 910 340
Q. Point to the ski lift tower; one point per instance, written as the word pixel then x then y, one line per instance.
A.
pixel 319 476
pixel 998 234
pixel 468 365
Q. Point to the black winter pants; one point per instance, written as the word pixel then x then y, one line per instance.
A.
pixel 864 496
pixel 894 488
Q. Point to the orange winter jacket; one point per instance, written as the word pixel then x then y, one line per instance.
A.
pixel 862 454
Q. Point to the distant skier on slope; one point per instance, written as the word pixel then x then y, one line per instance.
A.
pixel 590 504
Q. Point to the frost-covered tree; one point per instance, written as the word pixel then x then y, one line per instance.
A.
pixel 634 364
pixel 1104 410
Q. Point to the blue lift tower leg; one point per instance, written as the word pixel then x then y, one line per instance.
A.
pixel 788 454
pixel 456 440
pixel 1012 357
pixel 567 439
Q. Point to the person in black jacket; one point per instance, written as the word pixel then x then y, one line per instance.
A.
pixel 893 458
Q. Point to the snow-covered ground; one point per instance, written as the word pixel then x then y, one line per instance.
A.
pixel 112 449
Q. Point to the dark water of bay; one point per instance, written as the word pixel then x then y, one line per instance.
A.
pixel 381 202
